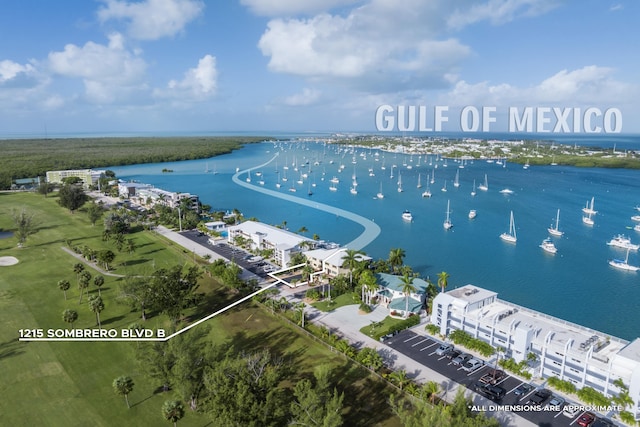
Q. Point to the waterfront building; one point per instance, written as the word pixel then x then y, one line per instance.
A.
pixel 328 261
pixel 217 226
pixel 267 237
pixel 89 177
pixel 391 295
pixel 147 195
pixel 583 356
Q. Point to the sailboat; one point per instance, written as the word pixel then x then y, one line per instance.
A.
pixel 419 183
pixel 623 265
pixel 399 182
pixel 447 224
pixel 485 186
pixel 588 209
pixel 248 176
pixel 456 181
pixel 473 191
pixel 353 189
pixel 511 235
pixel 380 194
pixel 433 176
pixel 554 230
pixel 206 169
pixel 427 192
pixel 444 189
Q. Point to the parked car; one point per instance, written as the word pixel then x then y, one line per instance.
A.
pixel 443 349
pixel 556 401
pixel 472 364
pixel 586 419
pixel 571 411
pixel 540 396
pixel 493 377
pixel 461 359
pixel 603 422
pixel 452 354
pixel 493 392
pixel 523 389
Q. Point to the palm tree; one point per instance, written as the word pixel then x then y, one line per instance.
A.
pixel 300 309
pixel 78 268
pixel 130 246
pixel 369 283
pixel 303 230
pixel 98 281
pixel 400 378
pixel 442 280
pixel 70 316
pixel 351 260
pixel 123 386
pixel 430 390
pixel 83 283
pixel 407 289
pixel 173 410
pixel 396 258
pixel 64 286
pixel 96 305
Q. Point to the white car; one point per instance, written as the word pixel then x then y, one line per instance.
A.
pixel 472 365
pixel 443 349
pixel 571 411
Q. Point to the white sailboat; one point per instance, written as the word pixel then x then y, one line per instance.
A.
pixel 419 183
pixel 248 176
pixel 380 194
pixel 447 224
pixel 588 209
pixel 444 188
pixel 473 191
pixel 554 230
pixel 485 185
pixel 400 183
pixel 433 176
pixel 456 181
pixel 623 265
pixel 427 192
pixel 510 237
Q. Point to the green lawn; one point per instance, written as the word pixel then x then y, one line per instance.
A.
pixel 69 383
pixel 345 299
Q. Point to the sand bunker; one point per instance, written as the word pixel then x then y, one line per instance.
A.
pixel 8 260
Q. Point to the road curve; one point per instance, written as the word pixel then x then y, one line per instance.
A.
pixel 371 229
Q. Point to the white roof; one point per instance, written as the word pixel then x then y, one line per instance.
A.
pixel 275 235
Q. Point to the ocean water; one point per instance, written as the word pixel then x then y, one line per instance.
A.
pixel 576 284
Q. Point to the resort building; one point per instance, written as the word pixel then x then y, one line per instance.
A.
pixel 267 237
pixel 89 177
pixel 391 295
pixel 147 195
pixel 583 356
pixel 217 226
pixel 328 261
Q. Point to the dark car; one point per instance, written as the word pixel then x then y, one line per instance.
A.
pixel 461 359
pixel 586 419
pixel 492 377
pixel 523 389
pixel 540 396
pixel 453 354
pixel 493 392
pixel 603 422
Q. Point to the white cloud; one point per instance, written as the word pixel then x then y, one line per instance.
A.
pixel 382 46
pixel 198 84
pixel 109 72
pixel 498 11
pixel 152 19
pixel 590 85
pixel 306 97
pixel 293 7
pixel 14 75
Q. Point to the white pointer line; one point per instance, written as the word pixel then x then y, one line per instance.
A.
pixel 222 310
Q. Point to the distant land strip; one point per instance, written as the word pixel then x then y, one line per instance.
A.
pixel 30 158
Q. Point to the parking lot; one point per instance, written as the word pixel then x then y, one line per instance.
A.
pixel 423 349
pixel 241 257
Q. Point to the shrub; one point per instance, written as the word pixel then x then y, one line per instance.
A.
pixel 313 294
pixel 432 329
pixel 592 397
pixel 365 308
pixel 562 385
pixel 516 368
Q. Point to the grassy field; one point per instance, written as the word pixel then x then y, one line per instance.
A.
pixel 69 383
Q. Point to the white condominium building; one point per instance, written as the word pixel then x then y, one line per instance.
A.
pixel 571 352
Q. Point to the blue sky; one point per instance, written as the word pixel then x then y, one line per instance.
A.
pixel 159 66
